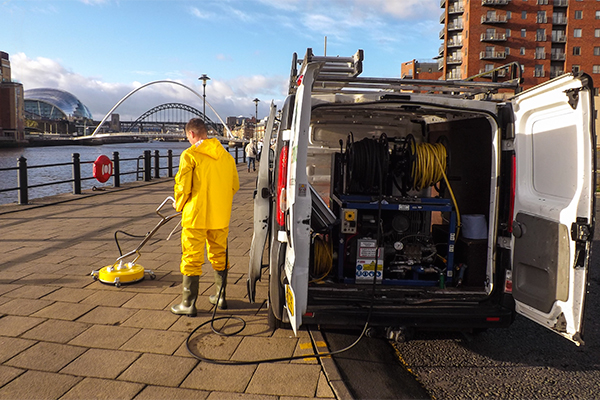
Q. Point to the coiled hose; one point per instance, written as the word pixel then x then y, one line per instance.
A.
pixel 429 168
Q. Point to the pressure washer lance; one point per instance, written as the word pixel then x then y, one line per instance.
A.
pixel 122 272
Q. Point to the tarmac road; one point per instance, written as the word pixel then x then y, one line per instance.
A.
pixel 371 369
pixel 524 361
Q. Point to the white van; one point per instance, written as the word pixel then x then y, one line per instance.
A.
pixel 426 204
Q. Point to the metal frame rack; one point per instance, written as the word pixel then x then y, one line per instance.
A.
pixel 341 75
pixel 417 204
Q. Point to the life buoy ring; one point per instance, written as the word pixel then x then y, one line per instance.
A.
pixel 103 168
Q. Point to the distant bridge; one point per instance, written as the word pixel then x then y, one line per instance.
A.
pixel 109 113
pixel 169 117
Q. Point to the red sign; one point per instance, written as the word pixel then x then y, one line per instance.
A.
pixel 103 168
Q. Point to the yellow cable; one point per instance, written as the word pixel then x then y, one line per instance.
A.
pixel 426 172
pixel 323 258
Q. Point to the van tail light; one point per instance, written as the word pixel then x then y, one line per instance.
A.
pixel 513 187
pixel 281 185
pixel 508 282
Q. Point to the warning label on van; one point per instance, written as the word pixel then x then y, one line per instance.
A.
pixel 365 271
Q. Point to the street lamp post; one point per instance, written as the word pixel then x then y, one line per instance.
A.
pixel 256 100
pixel 204 78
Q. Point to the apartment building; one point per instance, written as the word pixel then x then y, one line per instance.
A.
pixel 547 37
pixel 420 69
pixel 12 121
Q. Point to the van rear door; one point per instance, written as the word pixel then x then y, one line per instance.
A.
pixel 299 202
pixel 554 202
pixel 262 204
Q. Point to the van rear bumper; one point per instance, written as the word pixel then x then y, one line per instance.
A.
pixel 418 317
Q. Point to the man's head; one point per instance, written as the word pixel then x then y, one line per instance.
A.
pixel 195 130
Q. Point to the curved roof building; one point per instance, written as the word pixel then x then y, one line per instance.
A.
pixel 54 104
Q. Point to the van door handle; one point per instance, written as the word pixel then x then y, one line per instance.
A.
pixel 518 229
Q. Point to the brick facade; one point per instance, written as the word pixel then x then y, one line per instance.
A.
pixel 542 35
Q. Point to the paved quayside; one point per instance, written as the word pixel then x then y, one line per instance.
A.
pixel 65 336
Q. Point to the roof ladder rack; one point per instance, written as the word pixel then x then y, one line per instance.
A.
pixel 340 75
pixel 333 66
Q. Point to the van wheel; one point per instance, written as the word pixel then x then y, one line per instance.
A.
pixel 274 323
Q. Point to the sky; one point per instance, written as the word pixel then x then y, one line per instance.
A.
pixel 101 50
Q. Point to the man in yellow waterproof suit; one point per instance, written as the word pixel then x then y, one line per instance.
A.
pixel 204 187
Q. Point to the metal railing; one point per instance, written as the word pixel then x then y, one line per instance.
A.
pixel 148 167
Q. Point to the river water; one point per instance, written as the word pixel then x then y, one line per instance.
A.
pixel 63 154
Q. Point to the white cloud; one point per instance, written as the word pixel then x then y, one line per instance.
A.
pixel 223 57
pixel 232 97
pixel 287 5
pixel 402 9
pixel 199 14
pixel 94 2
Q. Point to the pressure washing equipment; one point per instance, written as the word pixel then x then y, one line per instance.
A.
pixel 129 272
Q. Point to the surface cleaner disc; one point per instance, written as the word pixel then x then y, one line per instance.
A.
pixel 126 274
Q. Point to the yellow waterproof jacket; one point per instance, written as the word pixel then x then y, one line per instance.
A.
pixel 205 184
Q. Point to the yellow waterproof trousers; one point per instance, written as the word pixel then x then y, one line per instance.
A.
pixel 192 249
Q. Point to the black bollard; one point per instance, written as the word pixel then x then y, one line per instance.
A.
pixel 116 170
pixel 156 164
pixel 170 162
pixel 22 179
pixel 76 174
pixel 147 166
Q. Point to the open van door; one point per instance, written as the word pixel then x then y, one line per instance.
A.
pixel 262 203
pixel 554 205
pixel 299 202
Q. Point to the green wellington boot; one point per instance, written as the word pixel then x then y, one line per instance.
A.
pixel 220 282
pixel 188 297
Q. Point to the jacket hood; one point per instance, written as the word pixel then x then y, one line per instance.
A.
pixel 212 148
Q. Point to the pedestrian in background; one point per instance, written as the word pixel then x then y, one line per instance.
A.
pixel 251 152
pixel 204 187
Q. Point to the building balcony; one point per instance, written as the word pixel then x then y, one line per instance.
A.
pixel 560 3
pixel 494 2
pixel 500 74
pixel 455 26
pixel 442 33
pixel 539 74
pixel 541 19
pixel 442 3
pixel 493 19
pixel 442 18
pixel 540 38
pixel 453 75
pixel 559 38
pixel 492 55
pixel 456 9
pixel 454 60
pixel 557 56
pixel 493 37
pixel 539 55
pixel 559 20
pixel 454 43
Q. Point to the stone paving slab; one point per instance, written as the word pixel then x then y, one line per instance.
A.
pixel 65 336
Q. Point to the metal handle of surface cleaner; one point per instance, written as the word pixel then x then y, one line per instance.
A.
pixel 164 220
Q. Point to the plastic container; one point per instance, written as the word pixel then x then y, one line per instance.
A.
pixel 474 226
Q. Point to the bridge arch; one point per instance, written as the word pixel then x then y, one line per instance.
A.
pixel 229 134
pixel 172 106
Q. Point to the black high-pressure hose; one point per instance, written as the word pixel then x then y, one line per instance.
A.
pixel 266 360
